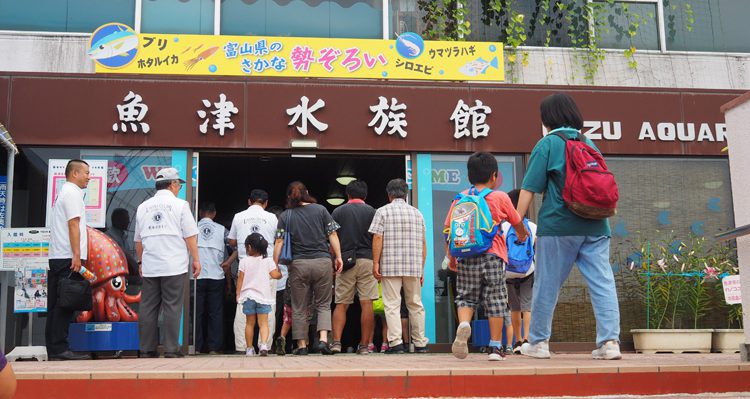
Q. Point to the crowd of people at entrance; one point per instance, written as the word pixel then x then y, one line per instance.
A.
pixel 304 267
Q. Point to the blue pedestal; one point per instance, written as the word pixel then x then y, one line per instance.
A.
pixel 91 337
pixel 480 333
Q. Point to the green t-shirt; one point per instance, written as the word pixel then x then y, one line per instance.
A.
pixel 546 174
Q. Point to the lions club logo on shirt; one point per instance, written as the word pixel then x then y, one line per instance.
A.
pixel 255 228
pixel 207 232
pixel 158 216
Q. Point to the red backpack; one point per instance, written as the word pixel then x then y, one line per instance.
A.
pixel 590 189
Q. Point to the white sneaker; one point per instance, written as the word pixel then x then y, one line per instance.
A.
pixel 496 354
pixel 460 346
pixel 610 350
pixel 539 351
pixel 250 352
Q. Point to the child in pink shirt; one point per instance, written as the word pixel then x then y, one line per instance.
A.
pixel 254 290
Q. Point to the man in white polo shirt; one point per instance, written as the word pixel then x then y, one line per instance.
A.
pixel 67 251
pixel 165 231
pixel 254 219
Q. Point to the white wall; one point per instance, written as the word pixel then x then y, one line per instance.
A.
pixel 66 53
pixel 62 53
pixel 738 137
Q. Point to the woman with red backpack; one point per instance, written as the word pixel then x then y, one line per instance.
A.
pixel 579 194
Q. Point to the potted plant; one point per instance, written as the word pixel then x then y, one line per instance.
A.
pixel 675 279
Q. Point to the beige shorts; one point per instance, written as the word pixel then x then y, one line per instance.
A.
pixel 359 276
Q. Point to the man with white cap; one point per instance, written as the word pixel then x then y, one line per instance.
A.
pixel 165 232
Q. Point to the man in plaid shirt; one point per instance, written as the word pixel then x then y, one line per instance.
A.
pixel 399 252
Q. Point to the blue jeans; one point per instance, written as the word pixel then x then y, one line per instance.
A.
pixel 252 307
pixel 555 256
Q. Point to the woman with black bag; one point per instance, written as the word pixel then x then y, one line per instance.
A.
pixel 304 231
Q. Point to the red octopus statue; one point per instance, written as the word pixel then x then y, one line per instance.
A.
pixel 107 261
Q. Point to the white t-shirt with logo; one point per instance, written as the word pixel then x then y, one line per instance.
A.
pixel 162 223
pixel 68 205
pixel 254 219
pixel 256 284
pixel 211 249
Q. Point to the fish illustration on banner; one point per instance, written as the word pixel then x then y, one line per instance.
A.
pixel 116 48
pixel 113 45
pixel 478 66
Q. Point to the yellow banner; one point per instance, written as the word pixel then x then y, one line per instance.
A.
pixel 116 48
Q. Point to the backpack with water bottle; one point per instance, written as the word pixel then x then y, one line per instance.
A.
pixel 471 229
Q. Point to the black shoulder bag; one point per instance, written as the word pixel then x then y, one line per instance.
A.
pixel 74 294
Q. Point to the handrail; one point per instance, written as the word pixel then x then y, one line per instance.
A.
pixel 734 233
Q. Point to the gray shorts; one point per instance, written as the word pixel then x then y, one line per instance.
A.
pixel 520 293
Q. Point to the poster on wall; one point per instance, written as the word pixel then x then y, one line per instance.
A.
pixel 31 291
pixel 95 194
pixel 732 290
pixel 3 199
pixel 24 248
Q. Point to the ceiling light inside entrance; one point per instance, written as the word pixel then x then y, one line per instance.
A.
pixel 344 180
pixel 303 143
pixel 335 201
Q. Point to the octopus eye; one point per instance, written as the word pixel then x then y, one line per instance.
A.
pixel 117 283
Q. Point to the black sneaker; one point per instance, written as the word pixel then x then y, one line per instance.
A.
pixel 324 348
pixel 68 355
pixel 508 350
pixel 173 355
pixel 149 354
pixel 517 347
pixel 395 350
pixel 421 349
pixel 280 346
pixel 300 351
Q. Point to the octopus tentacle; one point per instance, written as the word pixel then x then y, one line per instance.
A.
pixel 126 313
pixel 132 298
pixel 112 312
pixel 98 299
pixel 85 316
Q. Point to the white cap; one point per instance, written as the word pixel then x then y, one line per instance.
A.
pixel 168 174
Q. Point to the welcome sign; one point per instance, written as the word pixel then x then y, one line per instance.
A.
pixel 116 48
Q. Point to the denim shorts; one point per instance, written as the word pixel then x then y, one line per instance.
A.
pixel 252 307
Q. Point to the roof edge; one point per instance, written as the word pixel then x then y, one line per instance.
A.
pixel 735 103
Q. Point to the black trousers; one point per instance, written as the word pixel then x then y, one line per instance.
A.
pixel 58 319
pixel 209 313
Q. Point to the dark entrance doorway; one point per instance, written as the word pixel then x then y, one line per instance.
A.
pixel 226 179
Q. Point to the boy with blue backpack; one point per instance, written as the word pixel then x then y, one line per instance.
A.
pixel 519 276
pixel 471 231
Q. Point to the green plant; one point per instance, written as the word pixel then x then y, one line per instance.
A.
pixel 677 279
pixel 566 23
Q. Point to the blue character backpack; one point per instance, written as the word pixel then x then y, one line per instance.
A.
pixel 520 254
pixel 471 229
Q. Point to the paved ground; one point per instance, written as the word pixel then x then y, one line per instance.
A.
pixel 386 376
pixel 372 365
pixel 735 395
